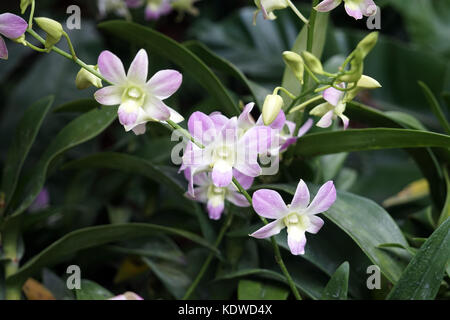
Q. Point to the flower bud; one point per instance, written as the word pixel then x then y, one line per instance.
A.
pixel 295 62
pixel 24 5
pixel 271 108
pixel 366 45
pixel 85 79
pixel 52 28
pixel 312 62
pixel 367 82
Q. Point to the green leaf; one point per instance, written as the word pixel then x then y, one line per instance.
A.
pixel 82 129
pixel 435 107
pixel 423 275
pixel 445 214
pixel 368 139
pixel 225 66
pixel 369 225
pixel 22 141
pixel 92 291
pixel 162 45
pixel 337 287
pixel 78 106
pixel 255 290
pixel 93 237
pixel 136 165
pixel 172 276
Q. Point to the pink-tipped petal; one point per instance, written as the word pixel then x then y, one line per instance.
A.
pixel 237 199
pixel 301 196
pixel 353 11
pixel 138 71
pixel 111 67
pixel 345 121
pixel 127 117
pixel 229 132
pixel 109 96
pixel 244 180
pixel 296 240
pixel 245 120
pixel 269 230
pixel 156 109
pixel 326 120
pixel 249 168
pixel 324 199
pixel 333 96
pixel 215 210
pixel 222 174
pixel 140 129
pixel 305 128
pixel 3 49
pixel 269 204
pixel 279 121
pixel 315 224
pixel 219 120
pixel 202 127
pixel 257 140
pixel 12 26
pixel 165 83
pixel 327 5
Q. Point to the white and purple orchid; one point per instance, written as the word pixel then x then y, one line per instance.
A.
pixel 12 27
pixel 331 109
pixel 299 216
pixel 283 128
pixel 214 197
pixel 354 8
pixel 140 100
pixel 225 147
pixel 157 8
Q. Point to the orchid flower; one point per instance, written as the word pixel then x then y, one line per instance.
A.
pixel 118 7
pixel 333 108
pixel 298 217
pixel 354 8
pixel 224 148
pixel 12 27
pixel 268 7
pixel 283 128
pixel 140 101
pixel 214 197
pixel 127 296
pixel 157 8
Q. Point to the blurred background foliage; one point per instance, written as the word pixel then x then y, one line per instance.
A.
pixel 414 45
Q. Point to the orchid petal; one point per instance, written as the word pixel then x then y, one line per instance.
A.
pixel 333 96
pixel 296 240
pixel 156 109
pixel 244 180
pixel 165 83
pixel 316 224
pixel 215 210
pixel 301 197
pixel 269 204
pixel 222 174
pixel 109 96
pixel 326 120
pixel 12 26
pixel 269 230
pixel 138 71
pixel 327 5
pixel 237 199
pixel 111 68
pixel 3 49
pixel 202 127
pixel 324 199
pixel 245 120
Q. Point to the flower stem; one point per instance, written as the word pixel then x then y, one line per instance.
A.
pixel 208 260
pixel 72 50
pixel 30 20
pixel 298 13
pixel 290 95
pixel 10 238
pixel 68 56
pixel 305 104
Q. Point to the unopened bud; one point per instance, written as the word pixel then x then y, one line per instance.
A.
pixel 271 108
pixel 366 45
pixel 366 82
pixel 295 62
pixel 312 62
pixel 85 79
pixel 52 28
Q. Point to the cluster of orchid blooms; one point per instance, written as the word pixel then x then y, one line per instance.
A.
pixel 223 155
pixel 154 9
